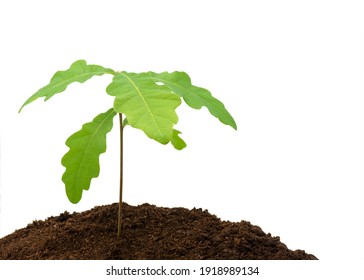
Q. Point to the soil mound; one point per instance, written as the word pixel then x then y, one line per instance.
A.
pixel 148 232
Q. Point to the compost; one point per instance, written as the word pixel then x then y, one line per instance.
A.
pixel 148 232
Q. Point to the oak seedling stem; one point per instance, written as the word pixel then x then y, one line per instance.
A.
pixel 121 175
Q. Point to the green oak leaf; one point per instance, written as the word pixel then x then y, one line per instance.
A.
pixel 177 141
pixel 125 122
pixel 148 101
pixel 195 97
pixel 146 105
pixel 78 72
pixel 82 159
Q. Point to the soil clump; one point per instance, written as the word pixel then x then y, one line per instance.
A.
pixel 148 232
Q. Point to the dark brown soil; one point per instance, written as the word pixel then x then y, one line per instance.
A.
pixel 149 232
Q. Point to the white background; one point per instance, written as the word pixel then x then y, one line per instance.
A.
pixel 290 72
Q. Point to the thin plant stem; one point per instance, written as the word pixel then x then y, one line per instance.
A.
pixel 121 175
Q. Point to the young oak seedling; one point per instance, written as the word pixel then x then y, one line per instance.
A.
pixel 146 101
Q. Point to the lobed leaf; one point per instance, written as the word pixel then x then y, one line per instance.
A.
pixel 146 105
pixel 82 160
pixel 195 97
pixel 177 141
pixel 78 72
